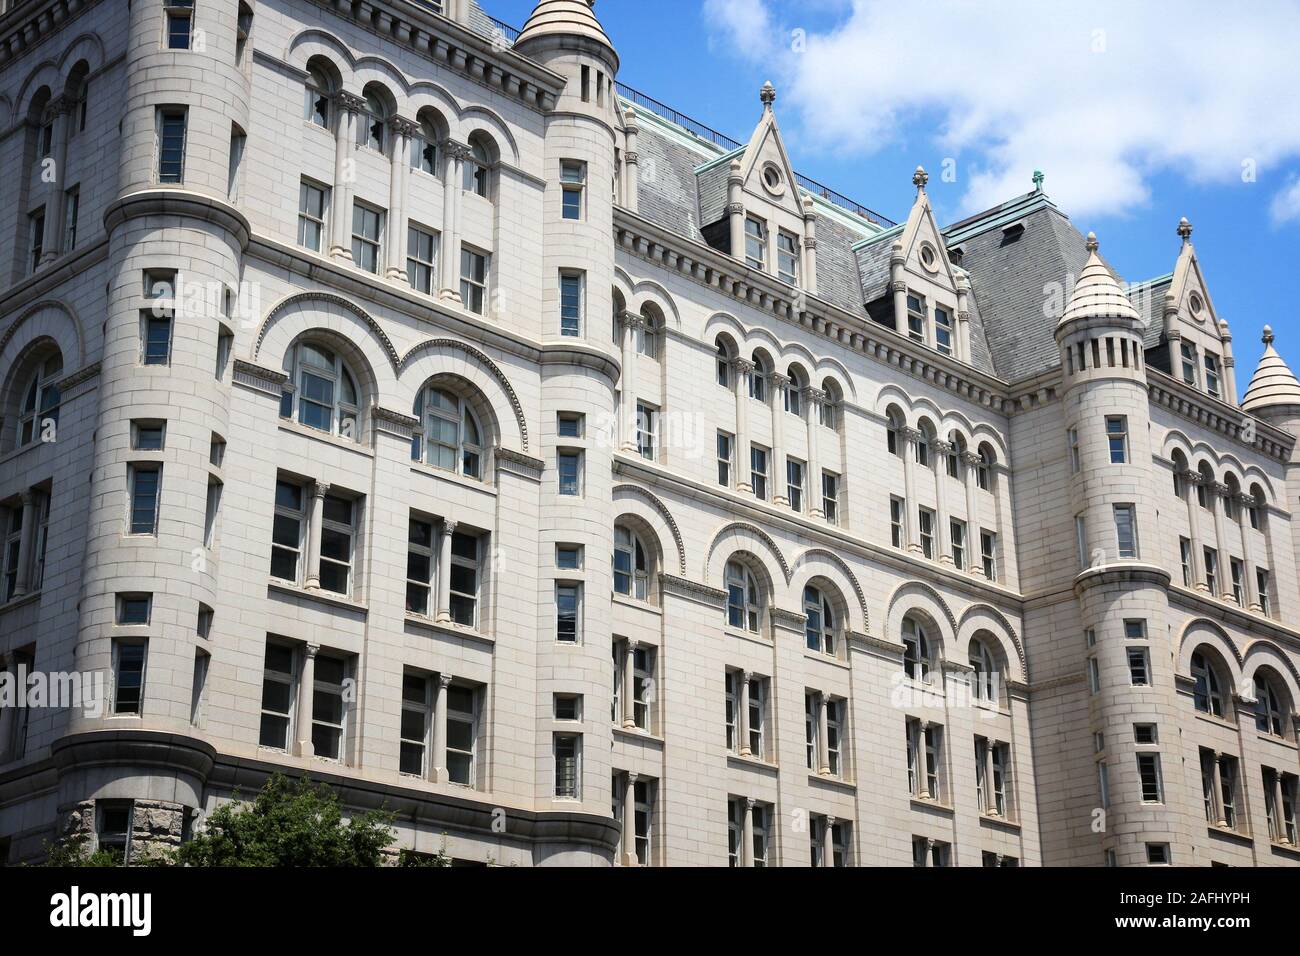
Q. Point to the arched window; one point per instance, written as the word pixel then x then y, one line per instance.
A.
pixel 828 407
pixel 922 450
pixel 477 167
pixel 954 454
pixel 724 360
pixel 321 393
pixel 758 377
pixel 916 651
pixel 1180 469
pixel 1232 500
pixel 649 333
pixel 1204 485
pixel 985 678
pixel 894 432
pixel 424 144
pixel 984 471
pixel 1207 695
pixel 1269 709
pixel 374 119
pixel 794 386
pixel 39 402
pixel 819 626
pixel 1258 508
pixel 631 565
pixel 451 437
pixel 744 600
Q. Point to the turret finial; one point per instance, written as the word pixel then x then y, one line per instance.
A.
pixel 920 178
pixel 1267 337
pixel 768 95
pixel 1038 180
pixel 1092 244
pixel 1185 229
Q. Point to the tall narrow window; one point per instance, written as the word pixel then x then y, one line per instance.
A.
pixel 569 466
pixel 758 471
pixel 171 122
pixel 287 531
pixel 475 170
pixel 1187 354
pixel 570 303
pixel 466 566
pixel 1126 531
pixel 421 259
pixel 787 257
pixel 452 437
pixel 831 497
pixel 1072 441
pixel 473 279
pixel 328 711
pixel 744 605
pixel 323 389
pixel 573 181
pixel 1212 374
pixel 568 759
pixel 1207 689
pixel 988 554
pixel 213 507
pixel 725 443
pixel 915 318
pixel 943 330
pixel 417 707
pixel 645 430
pixel 927 531
pixel 40 402
pixel 337 539
pixel 794 472
pixel 157 339
pixel 279 677
pixel 198 686
pixel 631 566
pixel 36 243
pixel 1149 776
pixel 311 215
pixel 897 534
pixel 755 243
pixel 180 23
pixel 1117 438
pixel 71 205
pixel 957 531
pixel 316 98
pixel 419 566
pixel 366 226
pixel 567 612
pixel 819 621
pixel 462 734
pixel 145 482
pixel 128 676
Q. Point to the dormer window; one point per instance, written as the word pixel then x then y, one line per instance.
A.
pixel 1188 353
pixel 755 243
pixel 787 257
pixel 943 330
pixel 1013 233
pixel 955 256
pixel 1212 374
pixel 915 318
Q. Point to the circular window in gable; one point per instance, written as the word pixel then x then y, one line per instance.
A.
pixel 773 181
pixel 929 258
pixel 1196 306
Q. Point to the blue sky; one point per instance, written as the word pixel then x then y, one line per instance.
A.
pixel 1135 116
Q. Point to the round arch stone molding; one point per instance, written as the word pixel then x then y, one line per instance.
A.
pixel 342 302
pixel 483 359
pixel 664 513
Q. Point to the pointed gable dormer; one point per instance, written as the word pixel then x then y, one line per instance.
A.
pixel 765 165
pixel 1200 344
pixel 930 300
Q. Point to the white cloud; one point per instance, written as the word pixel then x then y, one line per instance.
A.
pixel 1286 204
pixel 1099 95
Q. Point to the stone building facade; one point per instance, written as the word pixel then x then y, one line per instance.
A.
pixel 397 399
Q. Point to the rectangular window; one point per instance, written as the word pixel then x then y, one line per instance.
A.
pixel 421 259
pixel 1135 630
pixel 758 718
pixel 787 257
pixel 943 330
pixel 1185 556
pixel 171 123
pixel 1094 676
pixel 1188 356
pixel 569 424
pixel 725 443
pixel 755 243
pixel 133 609
pixel 915 318
pixel 834 735
pixel 1081 539
pixel 465 572
pixel 128 676
pixel 1157 854
pixel 573 181
pixel 645 431
pixel 1117 438
pixel 419 566
pixel 417 718
pixel 1238 571
pixel 145 483
pixel 569 466
pixel 567 706
pixel 279 678
pixel 1212 374
pixel 367 223
pixel 897 533
pixel 148 435
pixel 568 766
pixel 473 279
pixel 36 231
pixel 1145 734
pixel 732 710
pixel 568 557
pixel 831 497
pixel 13 529
pixel 237 143
pixel 198 686
pixel 571 303
pixel 180 16
pixel 212 509
pixel 1139 667
pixel 156 339
pixel 957 531
pixel 1212 571
pixel 794 483
pixel 113 826
pixel 337 539
pixel 1262 583
pixel 927 532
pixel 758 471
pixel 287 531
pixel 71 206
pixel 225 345
pixel 643 672
pixel 1149 775
pixel 462 733
pixel 1126 531
pixel 568 607
pixel 1073 442
pixel 327 709
pixel 988 554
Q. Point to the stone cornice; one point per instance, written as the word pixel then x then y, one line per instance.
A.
pixel 1227 420
pixel 693 590
pixel 70 387
pixel 259 378
pixel 483 60
pixel 27 26
pixel 727 276
pixel 394 423
pixel 517 463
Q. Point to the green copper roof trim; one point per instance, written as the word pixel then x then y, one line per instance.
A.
pixel 1018 209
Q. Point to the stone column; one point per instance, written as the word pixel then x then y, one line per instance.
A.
pixel 747 836
pixel 319 490
pixel 440 729
pixel 776 395
pixel 629 821
pixel 1280 825
pixel 1219 501
pixel 808 269
pixel 444 572
pixel 898 286
pixel 812 402
pixel 828 842
pixel 922 766
pixel 939 453
pixel 911 523
pixel 736 210
pixel 1229 391
pixel 741 370
pixel 59 111
pixel 346 106
pixel 631 161
pixel 963 318
pixel 823 750
pixel 743 716
pixel 1217 797
pixel 454 155
pixel 306 694
pixel 400 132
pixel 1251 586
pixel 630 322
pixel 629 685
pixel 26 542
pixel 970 471
pixel 990 792
pixel 1192 479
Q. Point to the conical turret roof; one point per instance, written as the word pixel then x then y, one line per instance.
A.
pixel 563 17
pixel 1273 383
pixel 1097 294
